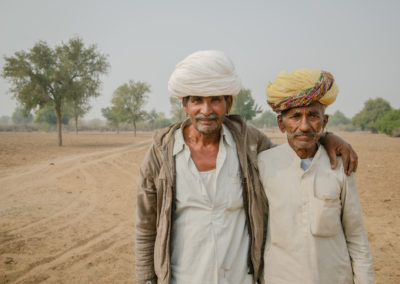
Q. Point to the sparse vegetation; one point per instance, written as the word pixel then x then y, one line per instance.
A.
pixel 390 123
pixel 266 119
pixel 128 101
pixel 45 76
pixel 244 105
pixel 373 110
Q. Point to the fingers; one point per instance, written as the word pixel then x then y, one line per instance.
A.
pixel 345 153
pixel 353 161
pixel 332 159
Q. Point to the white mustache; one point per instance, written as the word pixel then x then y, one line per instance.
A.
pixel 212 116
pixel 307 133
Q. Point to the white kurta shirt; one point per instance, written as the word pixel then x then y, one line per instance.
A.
pixel 315 229
pixel 210 240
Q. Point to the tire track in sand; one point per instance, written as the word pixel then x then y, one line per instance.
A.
pixel 91 166
pixel 28 178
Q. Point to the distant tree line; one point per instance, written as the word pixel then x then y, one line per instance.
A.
pixel 376 116
pixel 58 83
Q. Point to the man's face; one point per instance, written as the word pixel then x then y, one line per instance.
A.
pixel 207 113
pixel 303 125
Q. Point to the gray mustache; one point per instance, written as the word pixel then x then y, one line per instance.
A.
pixel 308 133
pixel 211 116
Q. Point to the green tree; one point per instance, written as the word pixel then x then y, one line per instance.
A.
pixel 78 109
pixel 129 100
pixel 19 116
pixel 151 117
pixel 86 72
pixel 78 102
pixel 369 115
pixel 389 123
pixel 244 105
pixel 112 117
pixel 46 116
pixel 161 122
pixel 266 119
pixel 46 76
pixel 157 119
pixel 338 118
pixel 177 112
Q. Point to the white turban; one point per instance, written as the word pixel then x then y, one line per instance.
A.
pixel 204 73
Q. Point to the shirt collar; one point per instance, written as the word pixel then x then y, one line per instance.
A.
pixel 297 160
pixel 227 135
pixel 179 143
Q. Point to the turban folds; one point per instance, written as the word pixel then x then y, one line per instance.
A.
pixel 301 88
pixel 204 73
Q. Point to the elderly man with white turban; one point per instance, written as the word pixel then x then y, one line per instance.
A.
pixel 201 210
pixel 315 231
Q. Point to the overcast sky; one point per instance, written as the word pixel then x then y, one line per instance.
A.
pixel 357 41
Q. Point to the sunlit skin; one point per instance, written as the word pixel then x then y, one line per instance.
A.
pixel 304 126
pixel 203 134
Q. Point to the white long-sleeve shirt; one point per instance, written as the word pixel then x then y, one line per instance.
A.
pixel 315 228
pixel 210 240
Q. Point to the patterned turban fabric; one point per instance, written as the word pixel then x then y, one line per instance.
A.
pixel 204 73
pixel 300 88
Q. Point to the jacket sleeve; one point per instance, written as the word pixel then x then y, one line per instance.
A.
pixel 263 142
pixel 356 237
pixel 146 218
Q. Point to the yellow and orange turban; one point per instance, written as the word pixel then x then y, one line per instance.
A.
pixel 300 88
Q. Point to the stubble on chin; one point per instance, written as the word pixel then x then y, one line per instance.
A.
pixel 207 130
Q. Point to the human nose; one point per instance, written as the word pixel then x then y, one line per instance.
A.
pixel 304 124
pixel 206 108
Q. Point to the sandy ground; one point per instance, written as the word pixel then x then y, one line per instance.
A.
pixel 67 214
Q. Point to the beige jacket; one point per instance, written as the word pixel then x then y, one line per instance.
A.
pixel 156 194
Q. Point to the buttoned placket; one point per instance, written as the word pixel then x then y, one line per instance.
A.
pixel 307 178
pixel 215 204
pixel 215 214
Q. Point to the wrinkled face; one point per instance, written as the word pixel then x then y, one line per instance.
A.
pixel 303 125
pixel 207 113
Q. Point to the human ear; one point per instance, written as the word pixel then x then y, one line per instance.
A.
pixel 325 122
pixel 281 125
pixel 229 103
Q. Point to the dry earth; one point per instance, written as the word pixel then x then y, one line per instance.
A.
pixel 67 214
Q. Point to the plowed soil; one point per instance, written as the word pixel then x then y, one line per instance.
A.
pixel 67 213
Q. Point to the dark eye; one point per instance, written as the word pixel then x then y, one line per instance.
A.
pixel 216 99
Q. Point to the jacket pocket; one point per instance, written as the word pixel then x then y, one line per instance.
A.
pixel 325 210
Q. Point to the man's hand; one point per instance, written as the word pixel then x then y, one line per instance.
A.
pixel 336 146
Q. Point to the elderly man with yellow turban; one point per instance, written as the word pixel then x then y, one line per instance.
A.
pixel 315 230
pixel 200 215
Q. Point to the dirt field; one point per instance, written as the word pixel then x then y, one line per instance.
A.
pixel 67 214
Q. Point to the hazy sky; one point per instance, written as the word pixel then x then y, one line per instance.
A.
pixel 357 41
